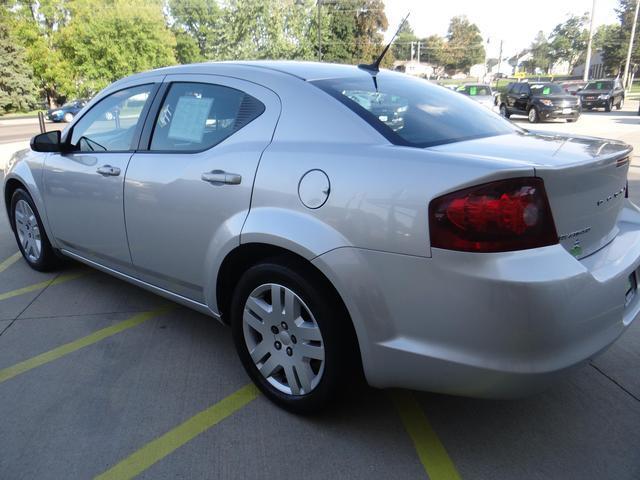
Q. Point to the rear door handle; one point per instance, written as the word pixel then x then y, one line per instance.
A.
pixel 108 171
pixel 220 176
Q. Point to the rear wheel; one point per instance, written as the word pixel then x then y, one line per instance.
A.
pixel 291 334
pixel 504 112
pixel 29 232
pixel 68 117
pixel 533 115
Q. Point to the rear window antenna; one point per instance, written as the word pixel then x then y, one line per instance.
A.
pixel 375 66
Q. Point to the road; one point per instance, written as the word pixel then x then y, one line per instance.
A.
pixel 20 130
pixel 97 377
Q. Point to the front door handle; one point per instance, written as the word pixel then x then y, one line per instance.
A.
pixel 108 171
pixel 220 176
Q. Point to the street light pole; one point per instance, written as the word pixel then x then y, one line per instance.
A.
pixel 633 34
pixel 587 63
pixel 319 2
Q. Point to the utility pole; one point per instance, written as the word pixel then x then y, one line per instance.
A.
pixel 633 34
pixel 319 2
pixel 499 61
pixel 418 51
pixel 587 63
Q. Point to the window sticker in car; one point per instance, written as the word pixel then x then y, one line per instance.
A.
pixel 473 91
pixel 546 91
pixel 599 85
pixel 189 118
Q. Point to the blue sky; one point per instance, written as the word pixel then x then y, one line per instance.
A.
pixel 497 19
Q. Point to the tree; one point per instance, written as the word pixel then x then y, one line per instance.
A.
pixel 107 41
pixel 402 44
pixel 16 86
pixel 569 39
pixel 609 40
pixel 434 50
pixel 36 26
pixel 198 27
pixel 541 53
pixel 371 23
pixel 464 44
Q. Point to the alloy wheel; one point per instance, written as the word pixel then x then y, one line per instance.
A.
pixel 283 339
pixel 28 231
pixel 533 115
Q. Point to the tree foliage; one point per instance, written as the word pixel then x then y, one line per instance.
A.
pixel 464 44
pixel 569 39
pixel 16 85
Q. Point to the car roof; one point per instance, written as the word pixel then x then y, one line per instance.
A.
pixel 300 69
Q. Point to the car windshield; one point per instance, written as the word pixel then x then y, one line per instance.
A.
pixel 475 90
pixel 69 105
pixel 603 85
pixel 413 112
pixel 546 89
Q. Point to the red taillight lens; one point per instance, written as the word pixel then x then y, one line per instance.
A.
pixel 500 216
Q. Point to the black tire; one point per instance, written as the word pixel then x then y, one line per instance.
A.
pixel 572 120
pixel 620 104
pixel 68 117
pixel 504 112
pixel 48 260
pixel 609 105
pixel 536 116
pixel 332 320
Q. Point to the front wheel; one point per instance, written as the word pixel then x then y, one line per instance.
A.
pixel 609 106
pixel 503 111
pixel 533 115
pixel 291 335
pixel 620 104
pixel 29 232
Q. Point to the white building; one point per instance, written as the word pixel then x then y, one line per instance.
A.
pixel 413 67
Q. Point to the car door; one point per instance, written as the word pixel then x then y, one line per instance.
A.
pixel 512 96
pixel 193 184
pixel 523 98
pixel 83 187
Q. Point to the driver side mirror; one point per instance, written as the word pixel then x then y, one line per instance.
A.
pixel 47 142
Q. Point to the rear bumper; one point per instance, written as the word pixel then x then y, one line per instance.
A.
pixel 485 325
pixel 594 103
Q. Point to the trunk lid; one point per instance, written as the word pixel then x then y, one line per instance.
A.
pixel 585 179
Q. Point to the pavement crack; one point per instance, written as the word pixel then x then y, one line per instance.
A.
pixel 615 382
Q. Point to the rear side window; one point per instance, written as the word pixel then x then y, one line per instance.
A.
pixel 197 116
pixel 413 112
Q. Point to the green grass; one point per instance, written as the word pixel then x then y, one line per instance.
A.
pixel 33 113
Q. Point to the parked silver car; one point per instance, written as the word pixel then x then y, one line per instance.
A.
pixel 343 220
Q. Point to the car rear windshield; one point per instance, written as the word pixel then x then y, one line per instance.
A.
pixel 599 85
pixel 413 112
pixel 546 89
pixel 475 90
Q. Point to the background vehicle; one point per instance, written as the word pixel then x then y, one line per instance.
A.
pixel 282 199
pixel 67 111
pixel 602 94
pixel 539 101
pixel 479 92
pixel 573 86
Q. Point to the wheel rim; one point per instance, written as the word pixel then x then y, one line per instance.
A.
pixel 68 117
pixel 532 115
pixel 28 231
pixel 283 339
pixel 503 111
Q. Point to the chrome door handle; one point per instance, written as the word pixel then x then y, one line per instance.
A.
pixel 108 171
pixel 220 176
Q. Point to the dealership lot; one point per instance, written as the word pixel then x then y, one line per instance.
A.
pixel 100 377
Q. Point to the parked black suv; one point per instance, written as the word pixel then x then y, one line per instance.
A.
pixel 539 101
pixel 602 94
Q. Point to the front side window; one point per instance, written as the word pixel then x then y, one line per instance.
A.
pixel 111 124
pixel 413 112
pixel 197 116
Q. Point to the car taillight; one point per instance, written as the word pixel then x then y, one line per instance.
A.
pixel 502 216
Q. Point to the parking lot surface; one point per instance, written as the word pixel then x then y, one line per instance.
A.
pixel 100 378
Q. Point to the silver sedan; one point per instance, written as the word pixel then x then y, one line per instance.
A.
pixel 343 221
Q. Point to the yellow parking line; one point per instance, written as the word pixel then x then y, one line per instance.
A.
pixel 10 261
pixel 431 452
pixel 40 286
pixel 162 446
pixel 71 347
